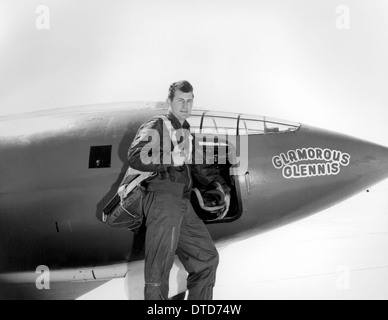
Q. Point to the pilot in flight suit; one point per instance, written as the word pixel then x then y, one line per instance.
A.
pixel 172 225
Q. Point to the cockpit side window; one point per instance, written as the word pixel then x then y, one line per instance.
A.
pixel 215 123
pixel 195 123
pixel 250 125
pixel 219 125
pixel 278 126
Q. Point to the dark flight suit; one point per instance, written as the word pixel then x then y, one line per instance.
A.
pixel 172 225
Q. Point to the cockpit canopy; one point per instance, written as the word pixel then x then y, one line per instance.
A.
pixel 213 122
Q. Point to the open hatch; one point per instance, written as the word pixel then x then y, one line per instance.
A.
pixel 219 136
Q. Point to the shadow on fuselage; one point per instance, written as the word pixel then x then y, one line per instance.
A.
pixel 137 252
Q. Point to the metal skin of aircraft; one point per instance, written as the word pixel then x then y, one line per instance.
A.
pixel 60 168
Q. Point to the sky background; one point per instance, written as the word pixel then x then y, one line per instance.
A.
pixel 279 58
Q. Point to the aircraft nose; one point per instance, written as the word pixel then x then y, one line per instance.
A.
pixel 362 164
pixel 370 161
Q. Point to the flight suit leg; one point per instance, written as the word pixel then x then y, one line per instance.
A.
pixel 163 220
pixel 198 254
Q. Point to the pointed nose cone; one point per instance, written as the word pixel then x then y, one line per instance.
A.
pixel 369 162
pixel 362 165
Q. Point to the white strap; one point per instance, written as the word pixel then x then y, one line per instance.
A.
pixel 170 129
pixel 172 133
pixel 125 189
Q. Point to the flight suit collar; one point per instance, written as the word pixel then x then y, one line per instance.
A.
pixel 175 122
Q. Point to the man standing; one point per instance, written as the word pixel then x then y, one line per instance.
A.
pixel 172 225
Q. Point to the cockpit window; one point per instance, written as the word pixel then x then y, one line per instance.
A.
pixel 206 122
pixel 195 123
pixel 249 127
pixel 219 125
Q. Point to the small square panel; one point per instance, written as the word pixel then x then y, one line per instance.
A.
pixel 100 157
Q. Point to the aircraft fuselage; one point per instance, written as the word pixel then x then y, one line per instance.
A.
pixel 58 171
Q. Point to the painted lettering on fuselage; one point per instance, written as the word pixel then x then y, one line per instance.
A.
pixel 310 162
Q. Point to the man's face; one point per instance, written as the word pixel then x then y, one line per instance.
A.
pixel 182 105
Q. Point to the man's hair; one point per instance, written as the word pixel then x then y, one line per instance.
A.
pixel 183 86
